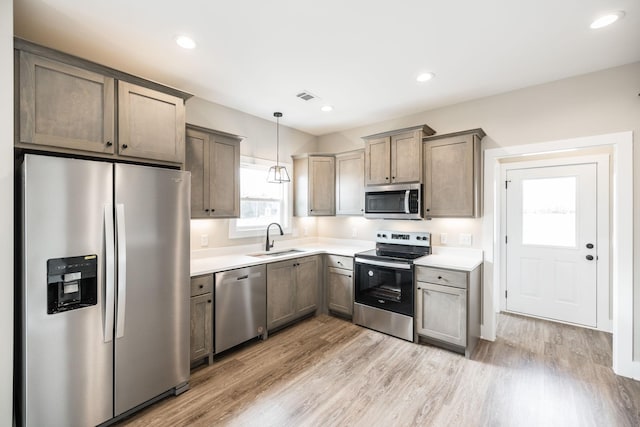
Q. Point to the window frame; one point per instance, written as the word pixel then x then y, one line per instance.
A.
pixel 236 232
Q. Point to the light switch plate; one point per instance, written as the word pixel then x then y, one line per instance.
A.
pixel 465 239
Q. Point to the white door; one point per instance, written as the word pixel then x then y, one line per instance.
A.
pixel 551 242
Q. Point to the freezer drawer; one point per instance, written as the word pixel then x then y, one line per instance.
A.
pixel 241 306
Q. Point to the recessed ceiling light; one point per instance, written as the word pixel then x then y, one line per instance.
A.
pixel 327 108
pixel 186 42
pixel 607 19
pixel 424 77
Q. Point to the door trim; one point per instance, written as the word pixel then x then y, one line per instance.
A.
pixel 621 144
pixel 604 319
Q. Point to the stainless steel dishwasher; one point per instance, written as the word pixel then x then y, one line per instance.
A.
pixel 241 306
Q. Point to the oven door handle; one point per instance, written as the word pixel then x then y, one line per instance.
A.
pixel 398 265
pixel 406 201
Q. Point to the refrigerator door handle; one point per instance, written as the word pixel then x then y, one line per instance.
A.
pixel 122 269
pixel 109 273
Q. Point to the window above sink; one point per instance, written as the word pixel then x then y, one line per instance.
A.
pixel 261 203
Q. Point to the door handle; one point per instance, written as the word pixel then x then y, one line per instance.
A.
pixel 590 257
pixel 589 245
pixel 122 269
pixel 109 303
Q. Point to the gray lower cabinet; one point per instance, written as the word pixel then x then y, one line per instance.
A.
pixel 340 284
pixel 292 290
pixel 453 175
pixel 448 307
pixel 201 318
pixel 213 158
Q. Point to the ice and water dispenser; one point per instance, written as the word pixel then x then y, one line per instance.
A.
pixel 72 283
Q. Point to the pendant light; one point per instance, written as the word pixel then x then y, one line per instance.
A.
pixel 278 174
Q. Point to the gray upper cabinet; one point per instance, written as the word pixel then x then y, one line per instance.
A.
pixel 150 124
pixel 69 105
pixel 395 156
pixel 314 185
pixel 453 175
pixel 214 161
pixel 65 106
pixel 377 154
pixel 350 183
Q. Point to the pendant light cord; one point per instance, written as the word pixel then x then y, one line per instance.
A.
pixel 277 141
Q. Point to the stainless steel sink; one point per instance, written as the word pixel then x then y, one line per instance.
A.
pixel 273 254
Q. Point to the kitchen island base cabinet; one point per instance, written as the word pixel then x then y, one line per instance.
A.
pixel 448 308
pixel 201 319
pixel 292 290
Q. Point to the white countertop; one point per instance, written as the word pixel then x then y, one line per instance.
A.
pixel 220 259
pixel 206 261
pixel 465 259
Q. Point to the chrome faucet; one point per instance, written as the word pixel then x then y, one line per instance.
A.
pixel 267 245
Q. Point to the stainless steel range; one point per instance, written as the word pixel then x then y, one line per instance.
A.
pixel 384 282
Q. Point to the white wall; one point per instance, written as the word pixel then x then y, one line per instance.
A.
pixel 593 104
pixel 6 212
pixel 260 142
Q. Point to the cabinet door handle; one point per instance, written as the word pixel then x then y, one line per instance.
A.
pixel 213 210
pixel 386 178
pixel 439 277
pixel 209 301
pixel 349 276
pixel 109 143
pixel 206 210
pixel 124 146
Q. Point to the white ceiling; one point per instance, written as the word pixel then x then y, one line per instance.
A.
pixel 361 56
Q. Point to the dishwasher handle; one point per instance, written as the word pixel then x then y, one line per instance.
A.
pixel 246 276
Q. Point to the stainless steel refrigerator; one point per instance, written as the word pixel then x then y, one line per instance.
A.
pixel 103 288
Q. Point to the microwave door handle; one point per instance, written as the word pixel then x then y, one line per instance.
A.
pixel 406 201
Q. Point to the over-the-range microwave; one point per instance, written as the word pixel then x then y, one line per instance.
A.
pixel 396 201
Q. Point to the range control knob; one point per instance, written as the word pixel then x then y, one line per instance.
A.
pixel 378 235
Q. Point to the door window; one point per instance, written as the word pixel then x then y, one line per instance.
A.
pixel 549 211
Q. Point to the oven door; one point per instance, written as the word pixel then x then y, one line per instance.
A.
pixel 384 284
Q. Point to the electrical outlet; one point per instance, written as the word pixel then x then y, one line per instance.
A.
pixel 443 238
pixel 204 240
pixel 465 239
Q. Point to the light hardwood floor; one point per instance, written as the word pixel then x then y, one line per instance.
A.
pixel 326 371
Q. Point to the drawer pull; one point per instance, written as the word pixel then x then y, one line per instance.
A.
pixel 201 286
pixel 439 277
